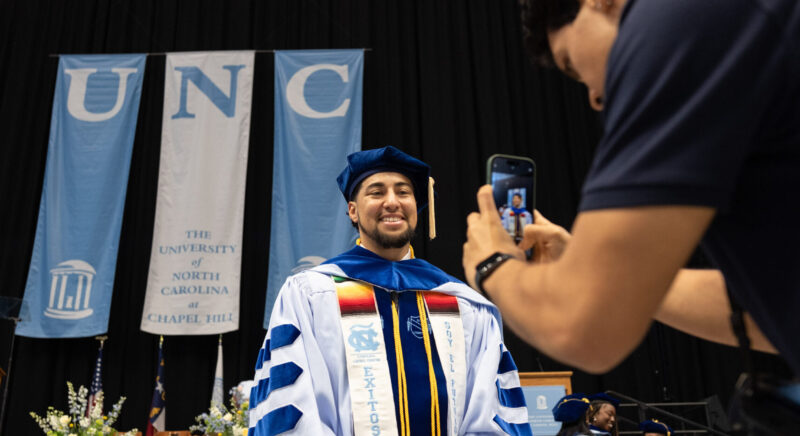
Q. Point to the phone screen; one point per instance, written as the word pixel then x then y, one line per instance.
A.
pixel 513 183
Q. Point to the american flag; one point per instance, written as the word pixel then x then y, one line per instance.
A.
pixel 97 380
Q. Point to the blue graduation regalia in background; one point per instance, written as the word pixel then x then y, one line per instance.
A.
pixel 655 426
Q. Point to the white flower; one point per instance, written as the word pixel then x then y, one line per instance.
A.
pixel 84 422
pixel 73 434
pixel 106 429
pixel 228 417
pixel 96 411
pixel 64 420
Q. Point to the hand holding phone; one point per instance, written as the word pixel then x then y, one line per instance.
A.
pixel 513 180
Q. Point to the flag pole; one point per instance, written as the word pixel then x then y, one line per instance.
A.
pixel 102 340
pixel 217 387
pixel 8 374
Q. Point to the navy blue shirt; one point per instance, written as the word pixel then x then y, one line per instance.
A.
pixel 703 108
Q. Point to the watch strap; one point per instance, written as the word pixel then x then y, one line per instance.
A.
pixel 487 267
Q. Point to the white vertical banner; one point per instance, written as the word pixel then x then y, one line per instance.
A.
pixel 195 262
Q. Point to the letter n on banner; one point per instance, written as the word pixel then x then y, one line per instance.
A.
pixel 71 276
pixel 195 262
pixel 317 124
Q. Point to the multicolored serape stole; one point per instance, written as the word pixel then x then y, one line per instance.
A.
pixel 435 403
pixel 367 367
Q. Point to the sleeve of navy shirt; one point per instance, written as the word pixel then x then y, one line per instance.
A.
pixel 688 89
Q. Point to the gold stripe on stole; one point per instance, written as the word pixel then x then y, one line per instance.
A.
pixel 402 392
pixel 436 429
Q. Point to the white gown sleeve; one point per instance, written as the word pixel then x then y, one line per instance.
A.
pixel 505 218
pixel 495 403
pixel 293 393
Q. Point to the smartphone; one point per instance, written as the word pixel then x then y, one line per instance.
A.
pixel 513 180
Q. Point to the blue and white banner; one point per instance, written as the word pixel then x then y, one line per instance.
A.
pixel 317 124
pixel 71 276
pixel 540 401
pixel 195 262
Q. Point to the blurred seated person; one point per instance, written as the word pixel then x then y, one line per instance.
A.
pixel 602 415
pixel 570 411
pixel 655 428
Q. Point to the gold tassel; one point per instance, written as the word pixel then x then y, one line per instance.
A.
pixel 431 211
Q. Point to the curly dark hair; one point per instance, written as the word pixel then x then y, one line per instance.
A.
pixel 594 408
pixel 540 17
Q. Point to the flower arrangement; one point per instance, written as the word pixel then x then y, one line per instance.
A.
pixel 224 421
pixel 77 422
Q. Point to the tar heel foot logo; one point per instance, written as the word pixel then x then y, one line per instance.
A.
pixel 76 98
pixel 307 262
pixel 362 338
pixel 70 290
pixel 295 91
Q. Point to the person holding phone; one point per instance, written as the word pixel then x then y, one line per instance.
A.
pixel 701 146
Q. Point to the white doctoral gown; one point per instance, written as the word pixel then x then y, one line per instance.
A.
pixel 303 353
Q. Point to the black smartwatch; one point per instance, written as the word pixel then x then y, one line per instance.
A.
pixel 487 267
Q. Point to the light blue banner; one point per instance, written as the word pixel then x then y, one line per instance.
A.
pixel 317 124
pixel 540 401
pixel 71 276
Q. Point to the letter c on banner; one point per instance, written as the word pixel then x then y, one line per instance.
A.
pixel 76 98
pixel 295 91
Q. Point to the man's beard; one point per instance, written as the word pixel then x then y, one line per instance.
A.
pixel 387 241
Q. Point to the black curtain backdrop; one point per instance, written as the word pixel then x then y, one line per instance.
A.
pixel 445 81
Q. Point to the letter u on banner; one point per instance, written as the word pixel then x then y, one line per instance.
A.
pixel 71 276
pixel 195 265
pixel 317 124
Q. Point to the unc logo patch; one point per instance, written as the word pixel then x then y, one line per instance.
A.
pixel 362 338
pixel 414 326
pixel 70 290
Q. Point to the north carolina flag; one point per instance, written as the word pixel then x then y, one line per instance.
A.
pixel 158 416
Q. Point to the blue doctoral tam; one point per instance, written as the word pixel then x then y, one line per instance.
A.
pixel 655 426
pixel 604 397
pixel 363 164
pixel 571 408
